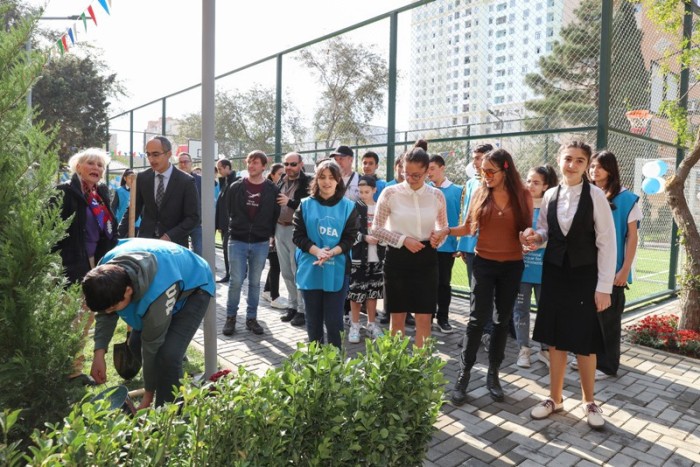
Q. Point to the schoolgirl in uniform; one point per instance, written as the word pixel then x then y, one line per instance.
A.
pixel 577 277
pixel 539 179
pixel 605 174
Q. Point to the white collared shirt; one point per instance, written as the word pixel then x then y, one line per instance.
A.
pixel 166 179
pixel 569 197
pixel 403 212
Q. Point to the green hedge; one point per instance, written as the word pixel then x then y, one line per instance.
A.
pixel 320 408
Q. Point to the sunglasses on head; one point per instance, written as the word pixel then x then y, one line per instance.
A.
pixel 291 164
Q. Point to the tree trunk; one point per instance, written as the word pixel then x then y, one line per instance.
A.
pixel 690 239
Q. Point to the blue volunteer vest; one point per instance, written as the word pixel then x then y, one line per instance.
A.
pixel 532 274
pixel 453 201
pixel 176 264
pixel 624 202
pixel 324 227
pixel 467 243
pixel 124 196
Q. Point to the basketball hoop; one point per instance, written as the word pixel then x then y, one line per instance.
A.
pixel 639 121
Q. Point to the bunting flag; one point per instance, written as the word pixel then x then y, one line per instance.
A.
pixel 104 5
pixel 110 3
pixel 70 35
pixel 65 42
pixel 82 16
pixel 59 44
pixel 92 14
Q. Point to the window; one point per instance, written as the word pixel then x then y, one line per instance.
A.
pixel 500 60
pixel 500 86
pixel 501 46
pixel 501 20
pixel 465 108
pixel 500 72
pixel 501 6
pixel 498 100
pixel 501 33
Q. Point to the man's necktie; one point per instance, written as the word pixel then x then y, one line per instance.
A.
pixel 160 191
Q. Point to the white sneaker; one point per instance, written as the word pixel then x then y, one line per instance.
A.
pixel 546 408
pixel 266 296
pixel 279 303
pixel 374 330
pixel 524 357
pixel 354 334
pixel 543 356
pixel 599 375
pixel 594 415
pixel 574 364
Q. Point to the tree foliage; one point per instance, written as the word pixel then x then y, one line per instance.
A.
pixel 245 121
pixel 669 16
pixel 73 96
pixel 569 77
pixel 38 338
pixel 353 79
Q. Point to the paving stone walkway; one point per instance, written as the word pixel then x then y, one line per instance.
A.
pixel 652 409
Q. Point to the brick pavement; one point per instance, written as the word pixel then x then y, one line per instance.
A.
pixel 652 408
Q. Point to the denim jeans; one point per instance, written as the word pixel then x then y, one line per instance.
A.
pixel 325 308
pixel 246 259
pixel 521 312
pixel 182 329
pixel 196 238
pixel 491 279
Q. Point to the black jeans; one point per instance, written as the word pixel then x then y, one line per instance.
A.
pixel 499 280
pixel 272 283
pixel 445 263
pixel 611 325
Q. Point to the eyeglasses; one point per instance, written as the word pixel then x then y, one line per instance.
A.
pixel 414 176
pixel 154 154
pixel 291 164
pixel 489 173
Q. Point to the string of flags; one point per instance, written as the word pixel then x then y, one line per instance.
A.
pixel 70 37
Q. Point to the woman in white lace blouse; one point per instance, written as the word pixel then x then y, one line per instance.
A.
pixel 407 214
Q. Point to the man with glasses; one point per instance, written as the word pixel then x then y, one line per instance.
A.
pixel 293 186
pixel 166 199
pixel 184 163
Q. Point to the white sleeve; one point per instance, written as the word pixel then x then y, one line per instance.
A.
pixel 635 214
pixel 605 240
pixel 542 224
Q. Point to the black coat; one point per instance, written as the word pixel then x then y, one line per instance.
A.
pixel 361 247
pixel 177 216
pixel 300 193
pixel 261 228
pixel 72 249
pixel 221 217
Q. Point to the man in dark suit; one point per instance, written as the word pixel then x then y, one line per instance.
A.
pixel 166 198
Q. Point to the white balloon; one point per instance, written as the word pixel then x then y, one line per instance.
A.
pixel 471 171
pixel 651 169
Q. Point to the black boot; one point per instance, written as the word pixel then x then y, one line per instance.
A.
pixel 459 393
pixel 493 384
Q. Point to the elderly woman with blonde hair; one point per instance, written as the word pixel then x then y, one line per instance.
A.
pixel 92 232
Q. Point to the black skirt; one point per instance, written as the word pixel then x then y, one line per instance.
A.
pixel 566 316
pixel 411 280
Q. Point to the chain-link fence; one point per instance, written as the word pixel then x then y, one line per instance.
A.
pixel 522 75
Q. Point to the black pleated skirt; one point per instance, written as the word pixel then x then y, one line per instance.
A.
pixel 411 280
pixel 566 316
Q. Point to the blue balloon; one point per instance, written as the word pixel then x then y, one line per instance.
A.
pixel 651 186
pixel 663 167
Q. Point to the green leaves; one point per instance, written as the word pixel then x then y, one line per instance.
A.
pixel 318 409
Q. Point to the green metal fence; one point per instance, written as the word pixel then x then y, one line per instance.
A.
pixel 524 75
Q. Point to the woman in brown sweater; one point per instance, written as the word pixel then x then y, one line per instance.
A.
pixel 500 210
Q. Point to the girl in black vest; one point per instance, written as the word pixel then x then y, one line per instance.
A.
pixel 577 277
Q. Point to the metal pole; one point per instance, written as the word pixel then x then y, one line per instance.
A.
pixel 604 78
pixel 163 119
pixel 684 86
pixel 131 139
pixel 208 161
pixel 278 111
pixel 391 96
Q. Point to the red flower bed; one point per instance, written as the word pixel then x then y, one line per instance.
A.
pixel 661 332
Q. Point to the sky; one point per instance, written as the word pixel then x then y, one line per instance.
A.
pixel 154 46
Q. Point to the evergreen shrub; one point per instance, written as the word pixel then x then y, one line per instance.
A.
pixel 319 408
